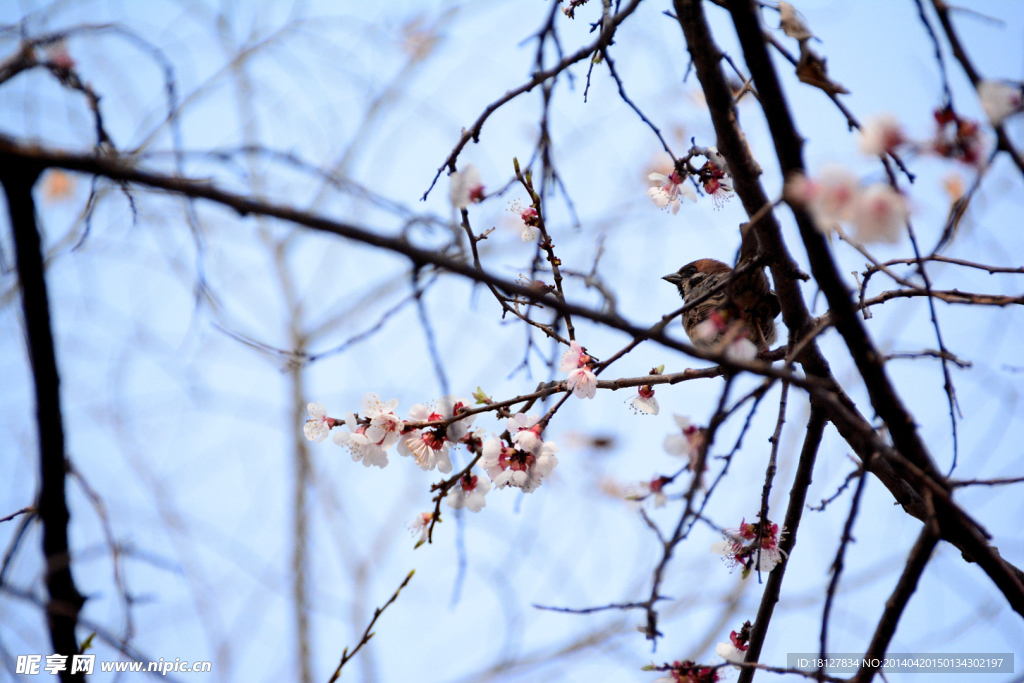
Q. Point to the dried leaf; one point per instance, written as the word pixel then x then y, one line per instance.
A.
pixel 812 70
pixel 792 23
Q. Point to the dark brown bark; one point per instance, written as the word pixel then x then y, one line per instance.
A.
pixel 65 600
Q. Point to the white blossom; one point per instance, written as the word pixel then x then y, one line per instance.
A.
pixel 644 401
pixel 741 350
pixel 525 432
pixel 730 653
pixel 668 190
pixel 469 492
pixel 466 187
pixel 318 426
pixel 359 445
pixel 1000 100
pixel 508 466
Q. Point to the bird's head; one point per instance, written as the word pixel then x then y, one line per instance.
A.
pixel 693 276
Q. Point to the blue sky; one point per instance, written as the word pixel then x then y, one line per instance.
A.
pixel 189 436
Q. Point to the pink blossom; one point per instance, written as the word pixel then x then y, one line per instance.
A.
pixel 881 134
pixel 582 382
pixel 713 178
pixel 830 199
pixel 879 215
pixel 741 550
pixel 531 224
pixel 574 357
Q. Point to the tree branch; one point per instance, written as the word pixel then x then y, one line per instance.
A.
pixel 65 602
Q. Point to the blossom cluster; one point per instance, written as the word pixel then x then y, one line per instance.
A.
pixel 522 461
pixel 713 177
pixel 741 548
pixel 877 212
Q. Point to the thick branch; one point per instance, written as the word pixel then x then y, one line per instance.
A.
pixel 870 364
pixel 897 602
pixel 65 600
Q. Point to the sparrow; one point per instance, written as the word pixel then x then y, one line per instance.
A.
pixel 745 308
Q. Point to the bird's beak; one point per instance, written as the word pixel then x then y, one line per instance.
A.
pixel 674 278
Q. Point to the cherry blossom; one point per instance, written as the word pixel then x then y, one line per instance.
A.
pixel 509 466
pixel 1000 100
pixel 581 380
pixel 574 357
pixel 879 215
pixel 531 228
pixel 362 448
pixel 420 524
pixel 881 134
pixel 740 548
pixel 730 653
pixel 668 190
pixel 689 672
pixel 428 447
pixel 318 426
pixel 525 431
pixel 469 493
pixel 829 199
pixel 466 187
pixel 688 443
pixel 650 489
pixel 644 401
pixel 713 178
pixel 715 157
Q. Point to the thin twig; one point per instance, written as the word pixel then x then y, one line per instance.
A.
pixel 367 634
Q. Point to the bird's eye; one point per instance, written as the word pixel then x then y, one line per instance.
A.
pixel 690 272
